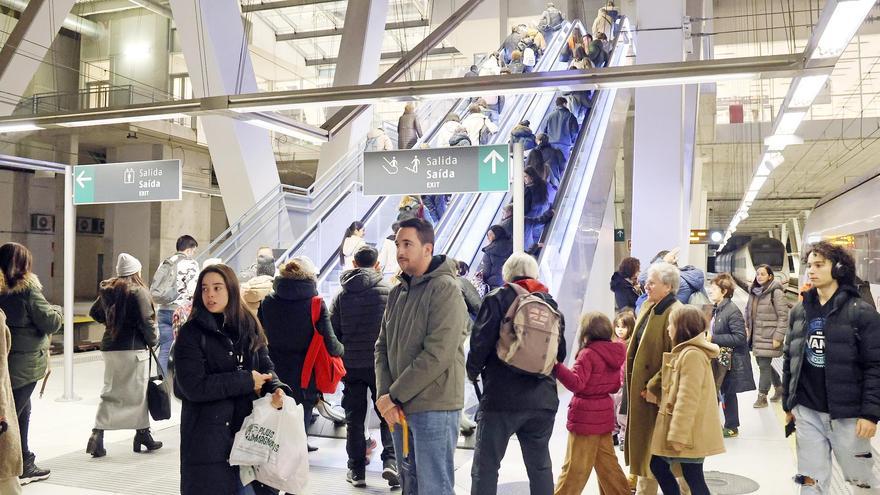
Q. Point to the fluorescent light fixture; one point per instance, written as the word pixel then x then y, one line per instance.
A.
pixel 137 50
pixel 806 89
pixel 778 142
pixel 773 160
pixel 790 121
pixel 847 17
pixel 122 120
pixel 286 130
pixel 757 183
pixel 19 127
pixel 751 195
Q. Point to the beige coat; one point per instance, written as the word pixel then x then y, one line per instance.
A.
pixel 10 443
pixel 688 405
pixel 643 364
pixel 255 290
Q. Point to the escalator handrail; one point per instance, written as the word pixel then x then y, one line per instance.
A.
pixel 568 30
pixel 567 176
pixel 297 245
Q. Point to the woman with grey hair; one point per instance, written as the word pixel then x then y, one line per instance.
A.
pixel 644 361
pixel 512 402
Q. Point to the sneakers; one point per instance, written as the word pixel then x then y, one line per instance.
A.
pixel 777 394
pixel 730 432
pixel 33 473
pixel 615 439
pixel 761 402
pixel 311 448
pixel 356 478
pixel 389 473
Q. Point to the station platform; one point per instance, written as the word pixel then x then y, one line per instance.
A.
pixel 760 460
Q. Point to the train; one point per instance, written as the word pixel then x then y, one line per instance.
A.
pixel 850 217
pixel 741 262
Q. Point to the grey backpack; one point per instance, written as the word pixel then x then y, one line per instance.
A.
pixel 163 288
pixel 530 331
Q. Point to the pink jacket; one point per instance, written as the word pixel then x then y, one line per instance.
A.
pixel 594 377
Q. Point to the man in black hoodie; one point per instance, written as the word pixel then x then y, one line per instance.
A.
pixel 356 314
pixel 834 338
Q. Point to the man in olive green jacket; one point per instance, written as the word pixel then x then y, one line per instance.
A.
pixel 420 357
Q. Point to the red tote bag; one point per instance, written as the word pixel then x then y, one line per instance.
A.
pixel 328 370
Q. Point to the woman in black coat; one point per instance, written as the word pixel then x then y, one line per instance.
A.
pixel 728 330
pixel 625 284
pixel 494 255
pixel 221 366
pixel 286 314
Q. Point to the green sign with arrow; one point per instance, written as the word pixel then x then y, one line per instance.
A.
pixel 437 170
pixel 131 182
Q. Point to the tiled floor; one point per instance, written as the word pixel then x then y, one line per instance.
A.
pixel 60 430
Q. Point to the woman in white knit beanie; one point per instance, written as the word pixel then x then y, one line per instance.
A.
pixel 126 309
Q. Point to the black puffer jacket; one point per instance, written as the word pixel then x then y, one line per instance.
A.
pixel 494 256
pixel 356 315
pixel 852 355
pixel 729 330
pixel 139 329
pixel 286 316
pixel 505 389
pixel 213 379
pixel 625 294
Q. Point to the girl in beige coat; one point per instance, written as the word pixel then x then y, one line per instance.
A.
pixel 10 443
pixel 687 428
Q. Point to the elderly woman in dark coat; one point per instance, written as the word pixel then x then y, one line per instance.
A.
pixel 222 366
pixel 733 369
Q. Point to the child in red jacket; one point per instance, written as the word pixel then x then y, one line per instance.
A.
pixel 594 377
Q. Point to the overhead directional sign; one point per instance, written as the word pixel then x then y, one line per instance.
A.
pixel 131 182
pixel 457 169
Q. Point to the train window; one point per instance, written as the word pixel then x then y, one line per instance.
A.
pixel 771 257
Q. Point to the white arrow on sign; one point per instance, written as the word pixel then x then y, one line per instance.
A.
pixel 81 179
pixel 495 157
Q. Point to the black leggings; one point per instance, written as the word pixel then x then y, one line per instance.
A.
pixel 693 474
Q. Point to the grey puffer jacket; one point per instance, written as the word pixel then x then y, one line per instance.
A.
pixel 767 319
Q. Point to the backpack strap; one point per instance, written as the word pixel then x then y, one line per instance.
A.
pixel 316 311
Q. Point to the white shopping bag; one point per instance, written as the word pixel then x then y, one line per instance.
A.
pixel 256 439
pixel 287 468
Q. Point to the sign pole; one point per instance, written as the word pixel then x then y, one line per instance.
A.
pixel 69 249
pixel 518 188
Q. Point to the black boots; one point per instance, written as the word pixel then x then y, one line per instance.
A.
pixel 143 438
pixel 96 444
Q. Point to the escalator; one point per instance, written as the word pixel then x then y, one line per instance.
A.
pixel 321 241
pixel 570 240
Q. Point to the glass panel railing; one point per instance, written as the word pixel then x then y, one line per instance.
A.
pixel 467 247
pixel 384 212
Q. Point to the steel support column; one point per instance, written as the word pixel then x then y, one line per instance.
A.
pixel 358 63
pixel 27 45
pixel 216 51
pixel 661 185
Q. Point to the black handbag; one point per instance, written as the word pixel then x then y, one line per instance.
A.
pixel 158 400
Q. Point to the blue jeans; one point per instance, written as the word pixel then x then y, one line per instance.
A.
pixel 434 435
pixel 818 436
pixel 166 336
